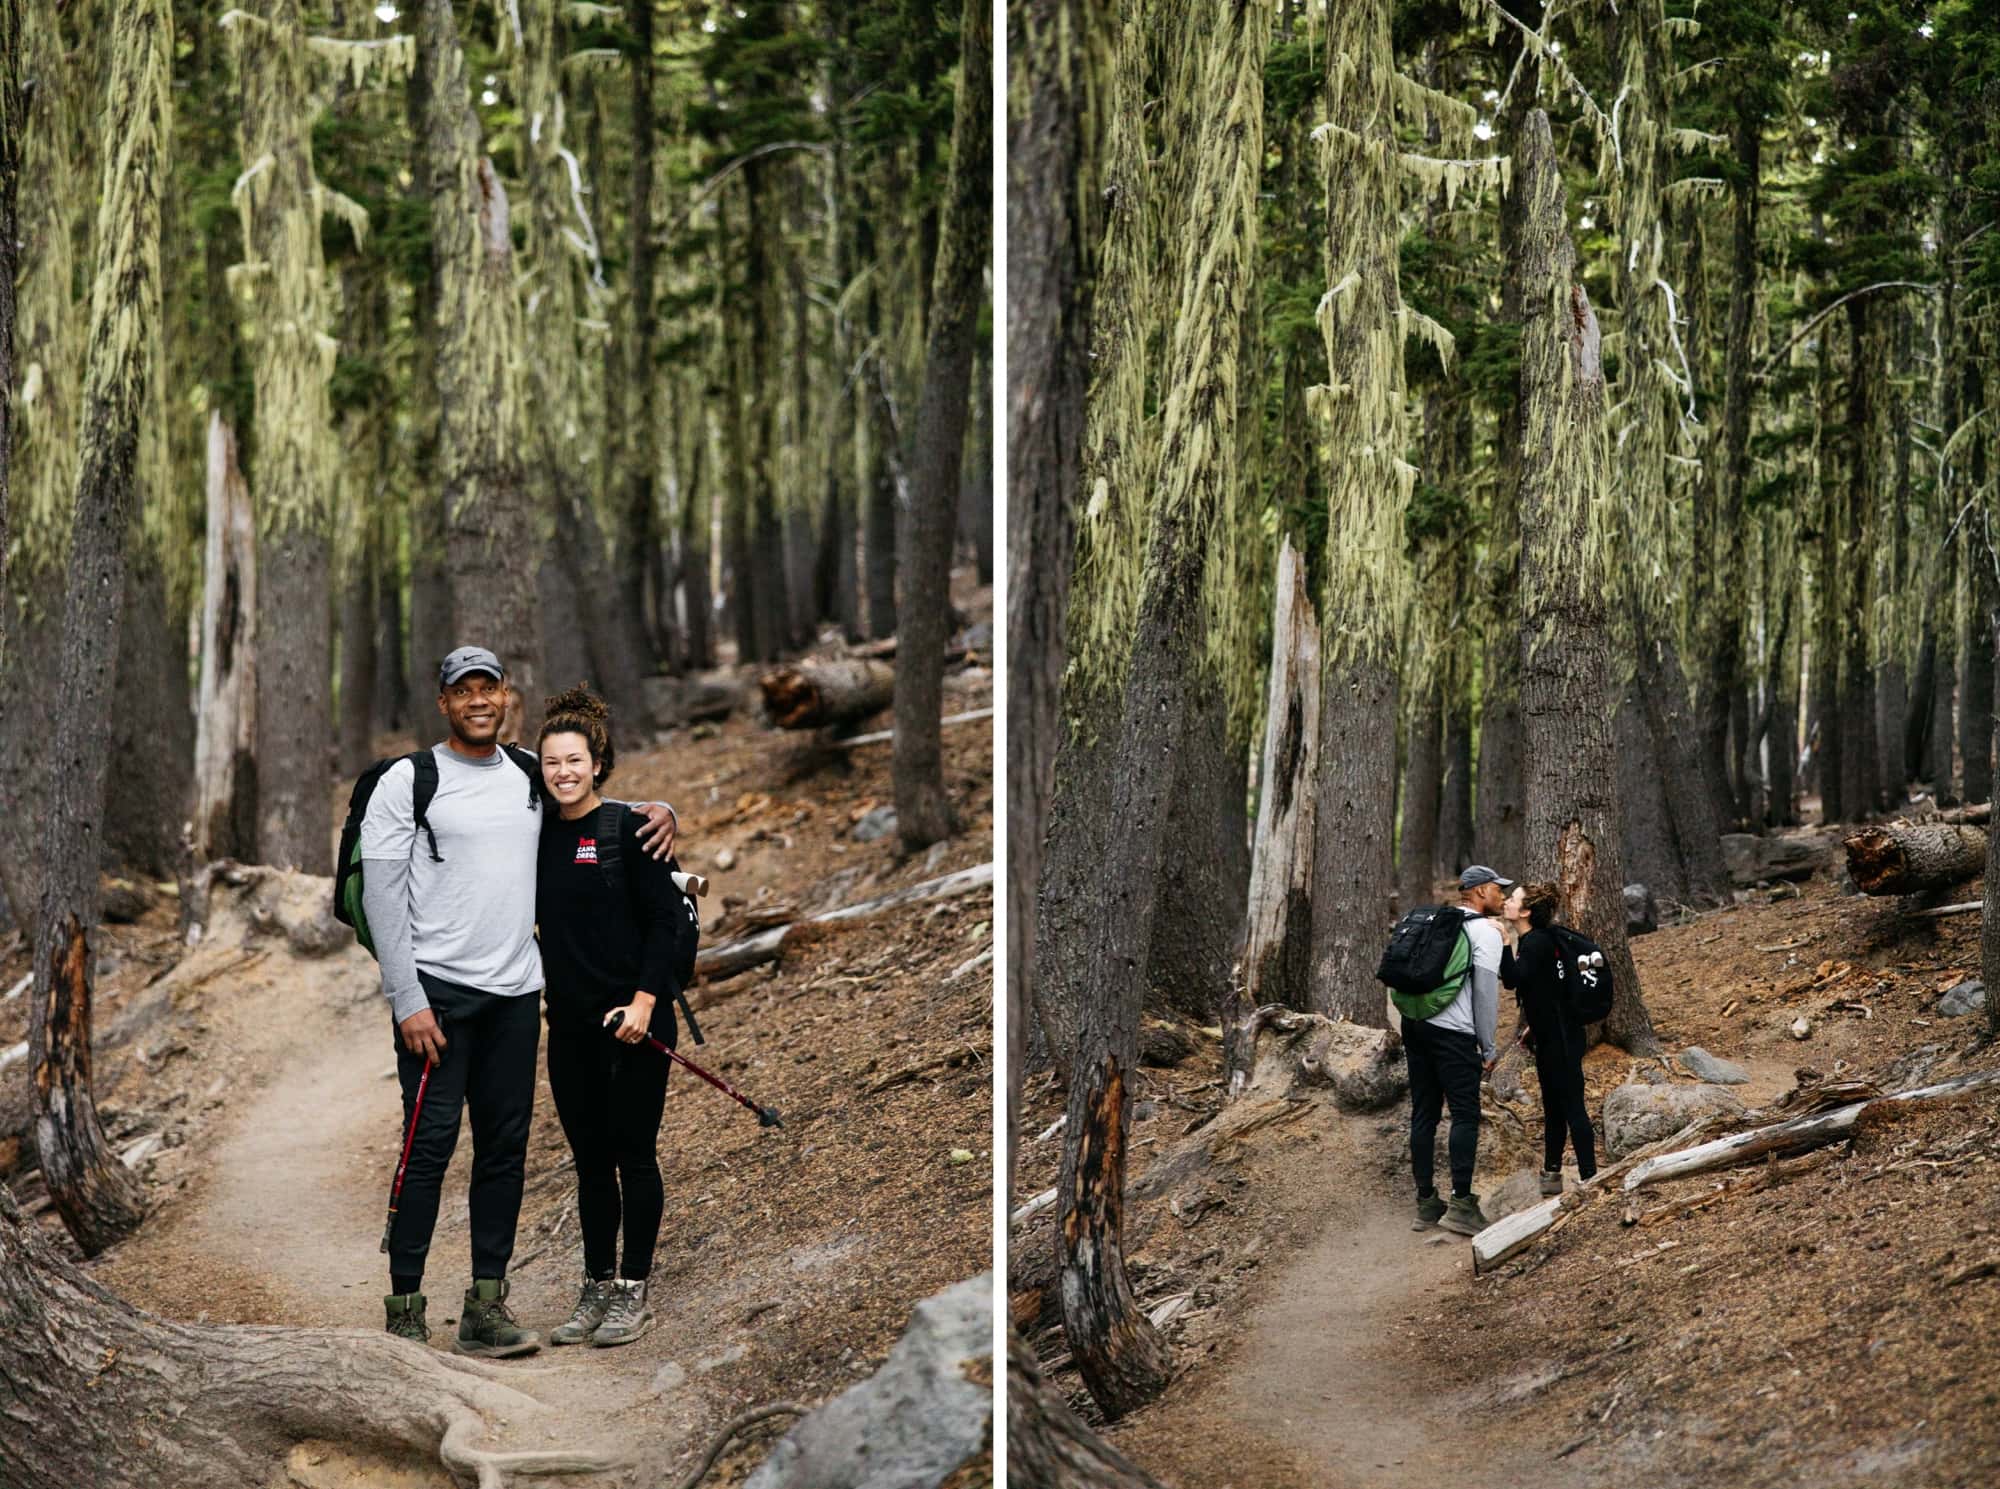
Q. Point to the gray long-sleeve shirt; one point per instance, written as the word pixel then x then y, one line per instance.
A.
pixel 1476 1009
pixel 469 918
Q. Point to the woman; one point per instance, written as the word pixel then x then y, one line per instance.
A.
pixel 609 954
pixel 1537 971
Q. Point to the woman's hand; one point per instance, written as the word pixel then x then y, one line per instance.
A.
pixel 634 1019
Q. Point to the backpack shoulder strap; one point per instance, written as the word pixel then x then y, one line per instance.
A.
pixel 530 767
pixel 610 845
pixel 423 790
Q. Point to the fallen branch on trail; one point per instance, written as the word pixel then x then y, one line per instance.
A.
pixel 883 736
pixel 1903 858
pixel 719 963
pixel 822 693
pixel 1970 907
pixel 1510 1233
pixel 1801 1132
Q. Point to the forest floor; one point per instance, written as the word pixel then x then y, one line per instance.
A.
pixel 1836 1327
pixel 256 1085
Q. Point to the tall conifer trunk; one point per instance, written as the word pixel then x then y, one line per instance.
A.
pixel 1565 656
pixel 1122 1358
pixel 491 536
pixel 1368 483
pixel 638 524
pixel 97 1196
pixel 923 809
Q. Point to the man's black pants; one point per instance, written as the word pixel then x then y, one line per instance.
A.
pixel 488 1069
pixel 1444 1066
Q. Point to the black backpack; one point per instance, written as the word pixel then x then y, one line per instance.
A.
pixel 611 864
pixel 1584 973
pixel 1423 964
pixel 423 788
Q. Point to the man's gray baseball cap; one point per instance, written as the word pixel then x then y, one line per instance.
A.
pixel 466 661
pixel 1479 874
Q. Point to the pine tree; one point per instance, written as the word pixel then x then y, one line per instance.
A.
pixel 96 1195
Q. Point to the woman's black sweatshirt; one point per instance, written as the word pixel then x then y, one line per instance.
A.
pixel 599 948
pixel 1534 970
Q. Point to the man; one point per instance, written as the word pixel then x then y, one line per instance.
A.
pixel 452 915
pixel 1449 1054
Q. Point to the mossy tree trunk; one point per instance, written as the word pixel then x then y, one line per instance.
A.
pixel 97 1196
pixel 1566 693
pixel 492 536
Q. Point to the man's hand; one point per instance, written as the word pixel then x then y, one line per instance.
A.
pixel 422 1036
pixel 1487 1068
pixel 662 827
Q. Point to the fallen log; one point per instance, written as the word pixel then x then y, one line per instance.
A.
pixel 719 963
pixel 1902 858
pixel 883 736
pixel 1980 813
pixel 821 693
pixel 1800 1132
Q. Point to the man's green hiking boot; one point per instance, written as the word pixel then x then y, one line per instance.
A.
pixel 1464 1216
pixel 406 1316
pixel 486 1328
pixel 1430 1210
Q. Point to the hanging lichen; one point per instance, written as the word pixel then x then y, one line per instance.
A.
pixel 47 347
pixel 1118 451
pixel 281 286
pixel 1361 408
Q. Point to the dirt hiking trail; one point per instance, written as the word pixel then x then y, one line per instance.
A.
pixel 1828 1318
pixel 249 1078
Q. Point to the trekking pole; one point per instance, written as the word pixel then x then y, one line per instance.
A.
pixel 403 1164
pixel 766 1115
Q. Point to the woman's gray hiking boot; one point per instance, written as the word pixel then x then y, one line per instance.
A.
pixel 628 1316
pixel 406 1316
pixel 591 1304
pixel 487 1328
pixel 1430 1210
pixel 1463 1216
pixel 1552 1181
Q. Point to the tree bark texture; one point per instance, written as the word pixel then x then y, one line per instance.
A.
pixel 1047 1447
pixel 638 519
pixel 226 719
pixel 1457 841
pixel 1423 780
pixel 1647 852
pixel 97 1197
pixel 1663 688
pixel 12 116
pixel 491 538
pixel 358 633
pixel 1121 1356
pixel 1903 858
pixel 1203 885
pixel 1277 959
pixel 152 733
pixel 1975 687
pixel 1354 876
pixel 283 293
pixel 1061 64
pixel 923 808
pixel 1566 697
pixel 1944 696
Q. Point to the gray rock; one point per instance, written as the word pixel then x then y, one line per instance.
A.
pixel 668 1378
pixel 1699 1063
pixel 979 637
pixel 1967 997
pixel 1520 1190
pixel 1642 915
pixel 317 933
pixel 1740 857
pixel 877 824
pixel 1635 1114
pixel 913 1423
